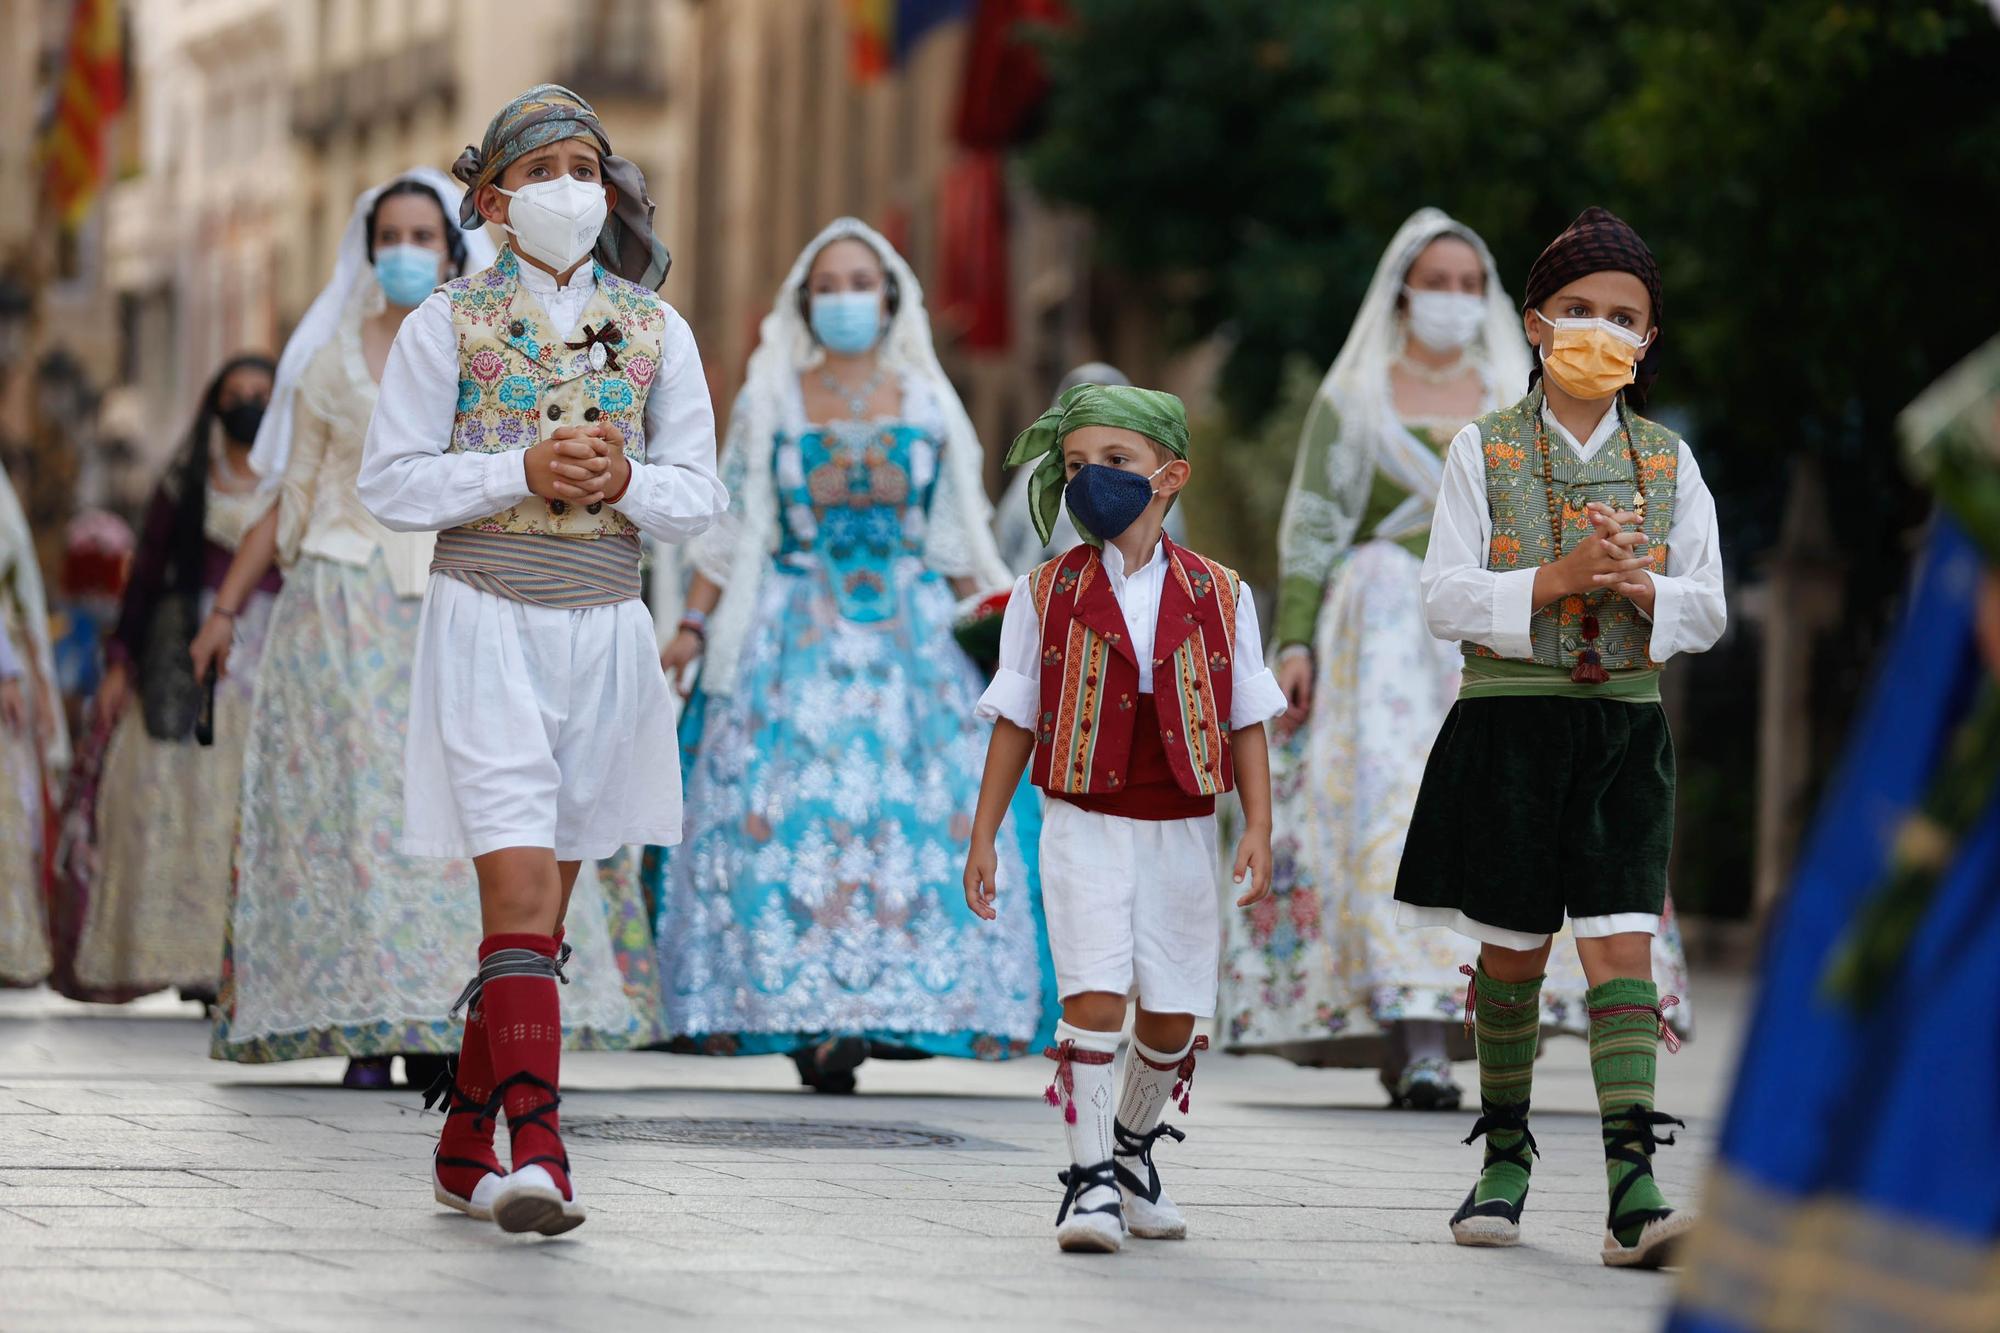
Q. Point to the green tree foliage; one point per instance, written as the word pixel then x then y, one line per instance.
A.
pixel 1819 178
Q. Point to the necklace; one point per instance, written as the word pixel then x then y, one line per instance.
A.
pixel 1417 370
pixel 1589 668
pixel 857 400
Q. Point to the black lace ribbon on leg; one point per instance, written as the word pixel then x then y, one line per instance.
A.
pixel 1140 1148
pixel 1079 1180
pixel 444 1089
pixel 1505 1118
pixel 1629 1137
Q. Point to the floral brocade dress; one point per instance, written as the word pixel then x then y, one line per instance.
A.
pixel 1316 970
pixel 830 796
pixel 338 944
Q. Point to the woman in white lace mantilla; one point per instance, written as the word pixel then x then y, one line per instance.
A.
pixel 338 944
pixel 831 750
pixel 34 747
pixel 152 910
pixel 1321 973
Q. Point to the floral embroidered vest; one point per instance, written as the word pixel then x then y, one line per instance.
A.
pixel 519 381
pixel 1090 677
pixel 1517 497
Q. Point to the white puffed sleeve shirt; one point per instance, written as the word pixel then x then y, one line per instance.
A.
pixel 412 483
pixel 1465 601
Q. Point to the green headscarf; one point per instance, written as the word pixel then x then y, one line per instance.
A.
pixel 1153 413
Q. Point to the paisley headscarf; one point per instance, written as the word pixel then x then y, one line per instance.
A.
pixel 1599 241
pixel 548 113
pixel 1153 413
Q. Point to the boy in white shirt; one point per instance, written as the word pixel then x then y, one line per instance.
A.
pixel 540 415
pixel 1573 552
pixel 1132 676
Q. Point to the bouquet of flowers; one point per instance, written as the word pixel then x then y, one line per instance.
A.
pixel 976 626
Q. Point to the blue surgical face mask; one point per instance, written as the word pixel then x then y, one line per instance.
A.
pixel 408 273
pixel 1105 501
pixel 847 323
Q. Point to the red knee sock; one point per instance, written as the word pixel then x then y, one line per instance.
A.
pixel 524 1031
pixel 465 1153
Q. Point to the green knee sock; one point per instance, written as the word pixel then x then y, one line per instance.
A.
pixel 1624 1059
pixel 1508 1027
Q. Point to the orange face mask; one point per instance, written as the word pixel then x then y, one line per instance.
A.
pixel 1590 358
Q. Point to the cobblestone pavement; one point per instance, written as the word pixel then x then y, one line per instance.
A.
pixel 146 1188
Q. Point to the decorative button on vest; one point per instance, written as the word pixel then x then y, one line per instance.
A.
pixel 591 414
pixel 518 384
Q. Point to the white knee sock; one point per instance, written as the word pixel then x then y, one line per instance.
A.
pixel 1152 1081
pixel 1082 1087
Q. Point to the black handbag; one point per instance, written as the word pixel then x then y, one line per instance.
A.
pixel 204 721
pixel 169 695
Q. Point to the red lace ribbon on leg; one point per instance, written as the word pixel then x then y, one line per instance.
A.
pixel 1658 1011
pixel 1183 1069
pixel 1062 1089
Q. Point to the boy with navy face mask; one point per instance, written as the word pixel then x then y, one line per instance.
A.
pixel 539 416
pixel 1131 674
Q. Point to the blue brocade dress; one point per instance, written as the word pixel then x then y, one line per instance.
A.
pixel 829 801
pixel 1858 1185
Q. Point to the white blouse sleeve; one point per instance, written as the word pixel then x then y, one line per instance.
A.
pixel 1016 691
pixel 1689 611
pixel 675 494
pixel 1463 600
pixel 10 661
pixel 408 479
pixel 1255 696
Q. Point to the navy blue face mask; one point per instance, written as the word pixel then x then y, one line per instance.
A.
pixel 1105 501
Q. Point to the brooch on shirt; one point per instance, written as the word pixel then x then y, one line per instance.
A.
pixel 602 343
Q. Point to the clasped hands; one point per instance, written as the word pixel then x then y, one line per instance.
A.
pixel 584 465
pixel 1606 559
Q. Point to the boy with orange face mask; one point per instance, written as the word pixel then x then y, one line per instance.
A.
pixel 1574 551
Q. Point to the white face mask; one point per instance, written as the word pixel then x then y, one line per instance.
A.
pixel 556 221
pixel 1444 321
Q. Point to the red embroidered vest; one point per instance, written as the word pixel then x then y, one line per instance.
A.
pixel 1090 676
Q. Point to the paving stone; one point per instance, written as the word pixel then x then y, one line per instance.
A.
pixel 143 1187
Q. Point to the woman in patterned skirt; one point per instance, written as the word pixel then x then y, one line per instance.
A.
pixel 34 748
pixel 338 944
pixel 832 755
pixel 166 807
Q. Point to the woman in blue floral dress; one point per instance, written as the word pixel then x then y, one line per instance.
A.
pixel 831 753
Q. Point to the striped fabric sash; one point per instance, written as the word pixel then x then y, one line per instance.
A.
pixel 566 572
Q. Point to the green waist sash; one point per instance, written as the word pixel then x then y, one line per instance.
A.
pixel 1504 678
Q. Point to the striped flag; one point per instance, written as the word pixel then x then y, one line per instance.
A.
pixel 883 32
pixel 92 91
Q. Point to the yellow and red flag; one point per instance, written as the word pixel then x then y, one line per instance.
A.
pixel 91 93
pixel 871 27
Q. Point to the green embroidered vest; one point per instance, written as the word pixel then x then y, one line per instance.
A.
pixel 1517 497
pixel 520 381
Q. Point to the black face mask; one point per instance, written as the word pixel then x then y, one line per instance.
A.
pixel 240 421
